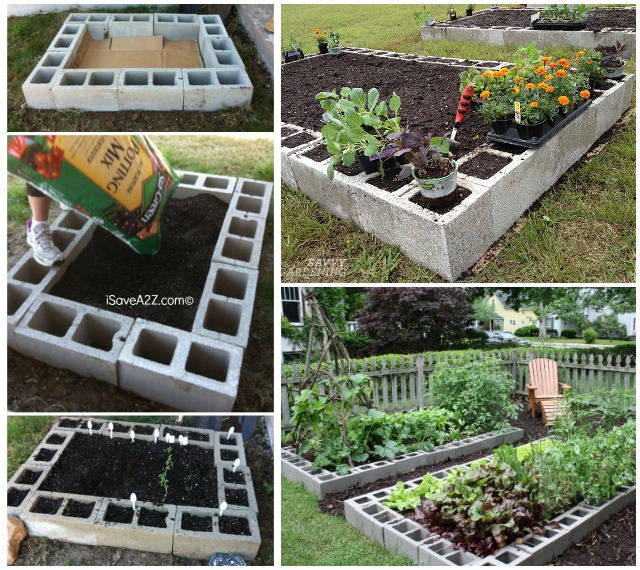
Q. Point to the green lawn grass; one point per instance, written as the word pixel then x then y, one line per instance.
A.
pixel 582 231
pixel 598 342
pixel 312 538
pixel 24 433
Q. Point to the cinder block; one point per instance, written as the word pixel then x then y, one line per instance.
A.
pixel 507 556
pixel 37 88
pixel 404 537
pixel 182 370
pixel 211 20
pixel 176 27
pixel 212 29
pixel 226 305
pixel 72 522
pixel 18 497
pixel 29 476
pixel 150 90
pixel 68 42
pixel 195 183
pixel 543 549
pixel 216 89
pixel 134 534
pixel 130 25
pixel 226 454
pixel 204 438
pixel 440 552
pixel 219 51
pixel 70 335
pixel 87 89
pixel 97 24
pixel 19 300
pixel 140 434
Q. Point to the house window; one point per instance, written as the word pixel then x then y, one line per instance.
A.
pixel 512 322
pixel 291 304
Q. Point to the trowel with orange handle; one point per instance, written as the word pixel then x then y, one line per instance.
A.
pixel 463 106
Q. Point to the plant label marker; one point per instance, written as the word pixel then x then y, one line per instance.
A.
pixel 133 435
pixel 111 430
pixel 231 429
pixel 172 439
pixel 90 425
pixel 156 433
pixel 185 439
pixel 133 499
pixel 180 439
pixel 180 419
pixel 236 464
pixel 223 507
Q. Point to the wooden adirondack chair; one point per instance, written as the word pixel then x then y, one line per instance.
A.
pixel 544 388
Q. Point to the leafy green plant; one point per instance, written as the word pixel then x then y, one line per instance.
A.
pixel 569 333
pixel 403 499
pixel 164 475
pixel 423 151
pixel 589 335
pixel 480 391
pixel 357 123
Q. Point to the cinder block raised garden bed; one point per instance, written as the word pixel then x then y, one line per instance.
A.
pixel 76 487
pixel 193 368
pixel 513 27
pixel 323 482
pixel 180 62
pixel 491 198
pixel 399 534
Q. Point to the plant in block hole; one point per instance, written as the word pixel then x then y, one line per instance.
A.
pixel 590 64
pixel 357 124
pixel 163 478
pixel 333 41
pixel 321 39
pixel 614 58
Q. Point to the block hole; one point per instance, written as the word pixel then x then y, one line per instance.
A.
pixel 153 518
pixel 187 19
pixel 229 283
pixel 208 361
pixel 118 514
pixel 96 332
pixel 29 477
pixel 70 30
pixel 73 79
pixel 16 296
pixel 216 182
pixel 230 477
pixel 189 179
pixel 142 18
pixel 210 19
pixel 251 205
pixel 200 78
pixel 78 509
pixel 16 496
pixel 196 523
pixel 63 42
pixel 221 44
pixel 104 78
pixel 98 18
pixel 133 78
pixel 56 439
pixel 77 18
pixel 46 506
pixel 53 59
pixel 166 18
pixel 460 558
pixel 234 525
pixel 163 78
pixel 507 557
pixel 155 346
pixel 121 18
pixel 229 77
pixel 43 76
pixel 214 30
pixel 62 239
pixel 229 455
pixel 45 454
pixel 72 221
pixel 238 497
pixel 222 317
pixel 226 58
pixel 52 319
pixel 253 189
pixel 234 248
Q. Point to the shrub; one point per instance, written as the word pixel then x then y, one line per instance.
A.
pixel 475 338
pixel 569 333
pixel 552 332
pixel 530 330
pixel 479 391
pixel 589 335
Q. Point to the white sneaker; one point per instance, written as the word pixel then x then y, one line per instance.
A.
pixel 44 250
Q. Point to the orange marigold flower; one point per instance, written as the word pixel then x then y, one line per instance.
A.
pixel 541 71
pixel 552 65
pixel 564 101
pixel 533 104
pixel 549 89
pixel 495 74
pixel 516 89
pixel 564 63
pixel 545 59
pixel 486 73
pixel 317 30
pixel 542 85
pixel 585 94
pixel 589 61
pixel 561 73
pixel 485 94
pixel 530 86
pixel 504 71
pixel 580 53
pixel 548 77
pixel 518 79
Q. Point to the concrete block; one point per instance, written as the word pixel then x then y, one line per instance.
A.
pixel 143 433
pixel 37 87
pixel 19 300
pixel 29 476
pixel 252 196
pixel 204 438
pixel 507 556
pixel 194 183
pixel 441 552
pixel 70 335
pixel 182 370
pixel 219 51
pixel 72 522
pixel 211 29
pixel 97 24
pixel 543 549
pixel 404 537
pixel 245 545
pixel 68 42
pixel 130 25
pixel 87 89
pixel 136 534
pixel 216 89
pixel 78 424
pixel 150 90
pixel 18 497
pixel 226 305
pixel 176 27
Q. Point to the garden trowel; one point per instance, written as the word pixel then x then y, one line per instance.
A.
pixel 463 106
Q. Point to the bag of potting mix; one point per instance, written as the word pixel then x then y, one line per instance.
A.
pixel 120 181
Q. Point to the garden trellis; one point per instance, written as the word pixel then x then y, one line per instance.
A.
pixel 402 382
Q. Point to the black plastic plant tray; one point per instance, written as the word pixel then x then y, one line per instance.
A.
pixel 511 136
pixel 566 26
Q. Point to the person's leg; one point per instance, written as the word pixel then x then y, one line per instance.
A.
pixel 38 233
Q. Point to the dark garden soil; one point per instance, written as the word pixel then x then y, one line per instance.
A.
pixel 150 517
pixel 238 497
pixel 234 525
pixel 317 153
pixel 297 140
pixel 286 131
pixel 192 435
pixel 428 92
pixel 29 477
pixel 107 266
pixel 137 429
pixel 47 506
pixel 460 194
pixel 16 496
pixel 196 523
pixel 484 164
pixel 78 509
pixel 104 467
pixel 236 478
pixel 55 440
pixel 597 19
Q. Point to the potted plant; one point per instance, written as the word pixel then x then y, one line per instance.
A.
pixel 614 58
pixel 430 163
pixel 590 64
pixel 563 17
pixel 293 52
pixel 424 17
pixel 452 13
pixel 470 9
pixel 357 125
pixel 333 42
pixel 321 40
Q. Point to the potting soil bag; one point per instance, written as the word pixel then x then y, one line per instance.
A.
pixel 120 181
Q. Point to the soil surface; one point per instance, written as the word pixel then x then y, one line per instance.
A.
pixel 45 552
pixel 597 19
pixel 107 266
pixel 460 195
pixel 428 92
pixel 484 165
pixel 103 467
pixel 297 140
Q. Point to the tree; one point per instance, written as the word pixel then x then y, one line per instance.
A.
pixel 414 319
pixel 483 310
pixel 608 326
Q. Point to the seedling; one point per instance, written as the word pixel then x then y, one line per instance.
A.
pixel 236 464
pixel 164 476
pixel 111 430
pixel 90 425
